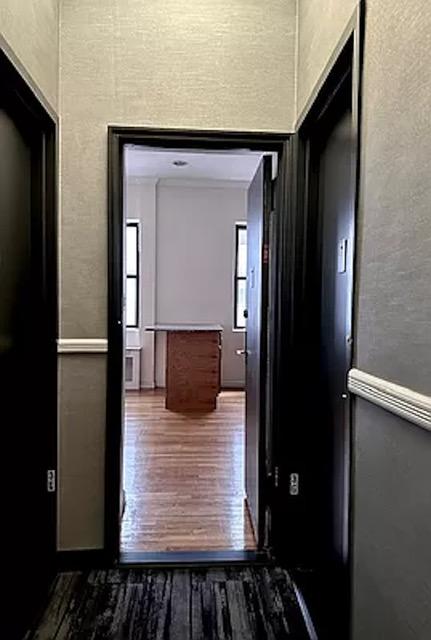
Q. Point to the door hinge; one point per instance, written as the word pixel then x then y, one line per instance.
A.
pixel 50 481
pixel 273 194
pixel 294 484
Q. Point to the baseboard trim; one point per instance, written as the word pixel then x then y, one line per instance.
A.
pixel 82 559
pixel 82 345
pixel 233 386
pixel 402 401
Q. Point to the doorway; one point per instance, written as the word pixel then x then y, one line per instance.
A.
pixel 28 330
pixel 326 165
pixel 185 357
pixel 232 451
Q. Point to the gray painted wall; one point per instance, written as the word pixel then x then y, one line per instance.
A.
pixel 392 533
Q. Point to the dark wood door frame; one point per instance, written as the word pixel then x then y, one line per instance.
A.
pixel 25 108
pixel 300 539
pixel 118 137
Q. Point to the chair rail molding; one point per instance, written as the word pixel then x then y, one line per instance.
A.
pixel 82 345
pixel 404 402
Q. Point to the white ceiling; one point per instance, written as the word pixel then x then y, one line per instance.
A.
pixel 158 163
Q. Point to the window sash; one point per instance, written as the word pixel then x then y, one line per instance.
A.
pixel 239 320
pixel 133 276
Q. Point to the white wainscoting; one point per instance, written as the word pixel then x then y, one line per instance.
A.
pixel 404 402
pixel 82 345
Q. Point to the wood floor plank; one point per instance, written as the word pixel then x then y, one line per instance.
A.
pixel 184 476
pixel 201 604
pixel 62 592
pixel 179 625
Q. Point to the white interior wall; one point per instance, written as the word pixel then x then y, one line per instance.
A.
pixel 187 265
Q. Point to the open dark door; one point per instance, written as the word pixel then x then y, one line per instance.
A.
pixel 258 214
pixel 320 443
pixel 27 354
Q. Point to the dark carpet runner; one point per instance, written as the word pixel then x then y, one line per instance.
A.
pixel 204 604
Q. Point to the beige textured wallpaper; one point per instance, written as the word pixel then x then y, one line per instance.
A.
pixel 224 64
pixel 199 64
pixel 31 30
pixel 321 24
pixel 394 305
pixel 82 451
pixel 392 522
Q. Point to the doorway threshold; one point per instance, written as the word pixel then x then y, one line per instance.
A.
pixel 192 558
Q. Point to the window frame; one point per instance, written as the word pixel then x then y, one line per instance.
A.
pixel 239 226
pixel 137 278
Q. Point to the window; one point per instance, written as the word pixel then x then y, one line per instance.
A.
pixel 240 275
pixel 132 274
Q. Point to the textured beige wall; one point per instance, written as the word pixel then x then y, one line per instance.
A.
pixel 321 24
pixel 82 451
pixel 394 306
pixel 199 64
pixel 30 29
pixel 224 64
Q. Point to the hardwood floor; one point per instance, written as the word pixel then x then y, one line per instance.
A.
pixel 184 476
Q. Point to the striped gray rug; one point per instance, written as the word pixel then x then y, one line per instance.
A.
pixel 244 603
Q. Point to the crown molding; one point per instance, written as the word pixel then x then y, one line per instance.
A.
pixel 404 402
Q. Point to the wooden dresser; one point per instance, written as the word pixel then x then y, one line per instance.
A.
pixel 193 366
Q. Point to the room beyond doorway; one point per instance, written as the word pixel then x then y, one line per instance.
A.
pixel 186 263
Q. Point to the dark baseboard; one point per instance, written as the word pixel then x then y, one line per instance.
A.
pixel 231 388
pixel 82 559
pixel 184 559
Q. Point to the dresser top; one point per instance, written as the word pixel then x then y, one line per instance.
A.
pixel 184 327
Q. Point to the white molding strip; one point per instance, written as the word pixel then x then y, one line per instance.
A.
pixel 410 405
pixel 82 345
